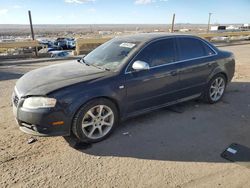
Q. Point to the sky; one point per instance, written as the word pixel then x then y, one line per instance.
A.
pixel 124 11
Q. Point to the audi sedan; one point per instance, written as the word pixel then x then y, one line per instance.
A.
pixel 122 78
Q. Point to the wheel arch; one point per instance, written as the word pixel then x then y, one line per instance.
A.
pixel 114 101
pixel 216 73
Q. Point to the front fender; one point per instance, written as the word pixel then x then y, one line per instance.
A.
pixel 74 97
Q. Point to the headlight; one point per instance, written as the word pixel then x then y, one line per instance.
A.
pixel 39 102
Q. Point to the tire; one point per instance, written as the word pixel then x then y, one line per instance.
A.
pixel 215 89
pixel 95 121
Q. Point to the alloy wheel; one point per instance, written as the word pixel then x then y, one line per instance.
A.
pixel 97 121
pixel 217 89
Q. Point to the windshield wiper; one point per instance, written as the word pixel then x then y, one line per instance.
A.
pixel 99 67
pixel 84 62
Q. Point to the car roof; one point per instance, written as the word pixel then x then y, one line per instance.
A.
pixel 146 37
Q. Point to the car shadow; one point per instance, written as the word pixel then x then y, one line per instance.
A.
pixel 191 131
pixel 9 75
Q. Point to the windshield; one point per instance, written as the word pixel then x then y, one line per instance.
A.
pixel 111 55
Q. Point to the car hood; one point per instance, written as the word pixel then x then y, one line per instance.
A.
pixel 47 79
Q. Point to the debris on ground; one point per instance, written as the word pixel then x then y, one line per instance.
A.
pixel 31 140
pixel 237 153
pixel 126 133
pixel 193 118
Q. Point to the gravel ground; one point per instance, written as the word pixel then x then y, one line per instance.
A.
pixel 160 149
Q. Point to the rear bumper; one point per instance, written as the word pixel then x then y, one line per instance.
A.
pixel 40 122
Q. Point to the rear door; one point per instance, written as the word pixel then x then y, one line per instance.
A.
pixel 196 60
pixel 156 86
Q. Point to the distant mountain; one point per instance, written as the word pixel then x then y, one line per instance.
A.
pixel 83 29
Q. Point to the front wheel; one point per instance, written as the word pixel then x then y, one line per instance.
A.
pixel 215 89
pixel 95 121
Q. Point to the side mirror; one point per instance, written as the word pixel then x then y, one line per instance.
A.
pixel 140 65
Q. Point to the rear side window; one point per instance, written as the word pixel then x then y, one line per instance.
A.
pixel 193 48
pixel 158 53
pixel 208 50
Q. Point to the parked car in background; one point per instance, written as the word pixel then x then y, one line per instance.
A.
pixel 59 54
pixel 51 49
pixel 65 43
pixel 58 44
pixel 122 78
pixel 49 45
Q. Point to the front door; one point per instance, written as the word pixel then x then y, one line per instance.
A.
pixel 157 86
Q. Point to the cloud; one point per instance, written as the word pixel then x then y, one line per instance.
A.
pixel 17 6
pixel 143 2
pixel 78 1
pixel 59 17
pixel 3 12
pixel 92 10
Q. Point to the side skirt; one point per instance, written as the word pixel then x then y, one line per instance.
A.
pixel 137 113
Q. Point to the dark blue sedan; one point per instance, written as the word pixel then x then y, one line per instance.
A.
pixel 122 78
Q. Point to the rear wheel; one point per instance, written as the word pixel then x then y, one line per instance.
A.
pixel 95 121
pixel 215 89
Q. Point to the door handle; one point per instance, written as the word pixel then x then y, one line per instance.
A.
pixel 174 73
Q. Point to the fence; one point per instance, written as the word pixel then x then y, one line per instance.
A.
pixel 86 45
pixel 25 44
pixel 5 46
pixel 208 36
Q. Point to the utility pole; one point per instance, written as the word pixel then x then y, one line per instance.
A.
pixel 91 30
pixel 173 20
pixel 209 19
pixel 32 31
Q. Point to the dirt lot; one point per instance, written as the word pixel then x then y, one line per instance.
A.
pixel 161 149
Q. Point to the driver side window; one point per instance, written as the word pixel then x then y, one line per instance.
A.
pixel 158 53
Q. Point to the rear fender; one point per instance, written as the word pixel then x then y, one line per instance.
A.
pixel 217 70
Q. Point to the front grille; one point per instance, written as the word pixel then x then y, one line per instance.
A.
pixel 15 99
